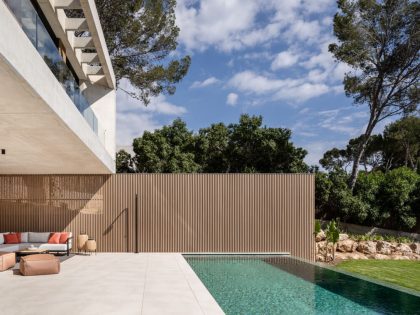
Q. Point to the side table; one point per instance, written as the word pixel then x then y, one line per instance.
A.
pixel 90 246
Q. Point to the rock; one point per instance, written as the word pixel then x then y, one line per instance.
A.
pixel 320 236
pixel 347 245
pixel 343 237
pixel 329 258
pixel 356 256
pixel 341 256
pixel 404 249
pixel 321 247
pixel 320 258
pixel 368 247
pixel 399 257
pixel 384 248
pixel 379 256
pixel 415 247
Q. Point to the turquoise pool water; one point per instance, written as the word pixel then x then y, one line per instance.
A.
pixel 284 285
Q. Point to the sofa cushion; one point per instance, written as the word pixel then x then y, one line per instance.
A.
pixel 24 237
pixel 63 237
pixel 38 237
pixel 2 237
pixel 54 238
pixel 53 247
pixel 9 247
pixel 11 238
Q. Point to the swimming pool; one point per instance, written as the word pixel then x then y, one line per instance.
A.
pixel 285 285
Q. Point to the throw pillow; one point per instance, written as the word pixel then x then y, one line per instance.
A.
pixel 63 238
pixel 24 237
pixel 18 236
pixel 11 238
pixel 54 238
pixel 2 237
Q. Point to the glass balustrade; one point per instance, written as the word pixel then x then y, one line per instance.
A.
pixel 32 25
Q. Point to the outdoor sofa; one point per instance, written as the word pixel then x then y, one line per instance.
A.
pixel 38 239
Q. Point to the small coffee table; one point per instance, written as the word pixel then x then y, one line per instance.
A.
pixel 27 251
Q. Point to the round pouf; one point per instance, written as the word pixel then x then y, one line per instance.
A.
pixel 90 246
pixel 81 241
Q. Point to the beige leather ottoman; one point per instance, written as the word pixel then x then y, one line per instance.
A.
pixel 7 260
pixel 39 264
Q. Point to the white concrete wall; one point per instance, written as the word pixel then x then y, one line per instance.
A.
pixel 18 53
pixel 103 104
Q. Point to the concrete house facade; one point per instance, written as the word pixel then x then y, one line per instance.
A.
pixel 58 98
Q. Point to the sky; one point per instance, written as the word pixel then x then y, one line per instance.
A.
pixel 259 57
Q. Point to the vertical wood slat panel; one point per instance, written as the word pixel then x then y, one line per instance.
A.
pixel 177 212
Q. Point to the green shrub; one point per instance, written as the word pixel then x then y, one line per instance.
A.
pixel 322 193
pixel 394 198
pixel 367 190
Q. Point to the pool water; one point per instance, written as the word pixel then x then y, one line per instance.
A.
pixel 285 285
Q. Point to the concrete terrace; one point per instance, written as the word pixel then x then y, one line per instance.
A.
pixel 110 283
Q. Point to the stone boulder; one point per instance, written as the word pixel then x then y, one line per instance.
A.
pixel 379 256
pixel 343 237
pixel 321 247
pixel 356 256
pixel 367 247
pixel 399 257
pixel 320 258
pixel 403 249
pixel 346 246
pixel 320 236
pixel 384 248
pixel 415 247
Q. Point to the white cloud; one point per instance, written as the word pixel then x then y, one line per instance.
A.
pixel 205 83
pixel 293 90
pixel 214 22
pixel 132 125
pixel 308 31
pixel 157 105
pixel 302 92
pixel 234 24
pixel 251 82
pixel 133 118
pixel 337 121
pixel 232 99
pixel 284 59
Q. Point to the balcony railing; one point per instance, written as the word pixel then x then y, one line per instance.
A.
pixel 34 28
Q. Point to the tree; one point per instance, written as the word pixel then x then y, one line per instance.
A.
pixel 140 35
pixel 253 148
pixel 343 158
pixel 238 148
pixel 402 143
pixel 166 150
pixel 396 194
pixel 336 159
pixel 124 162
pixel 211 149
pixel 380 41
pixel 367 189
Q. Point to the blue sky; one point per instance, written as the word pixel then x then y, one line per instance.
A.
pixel 261 57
